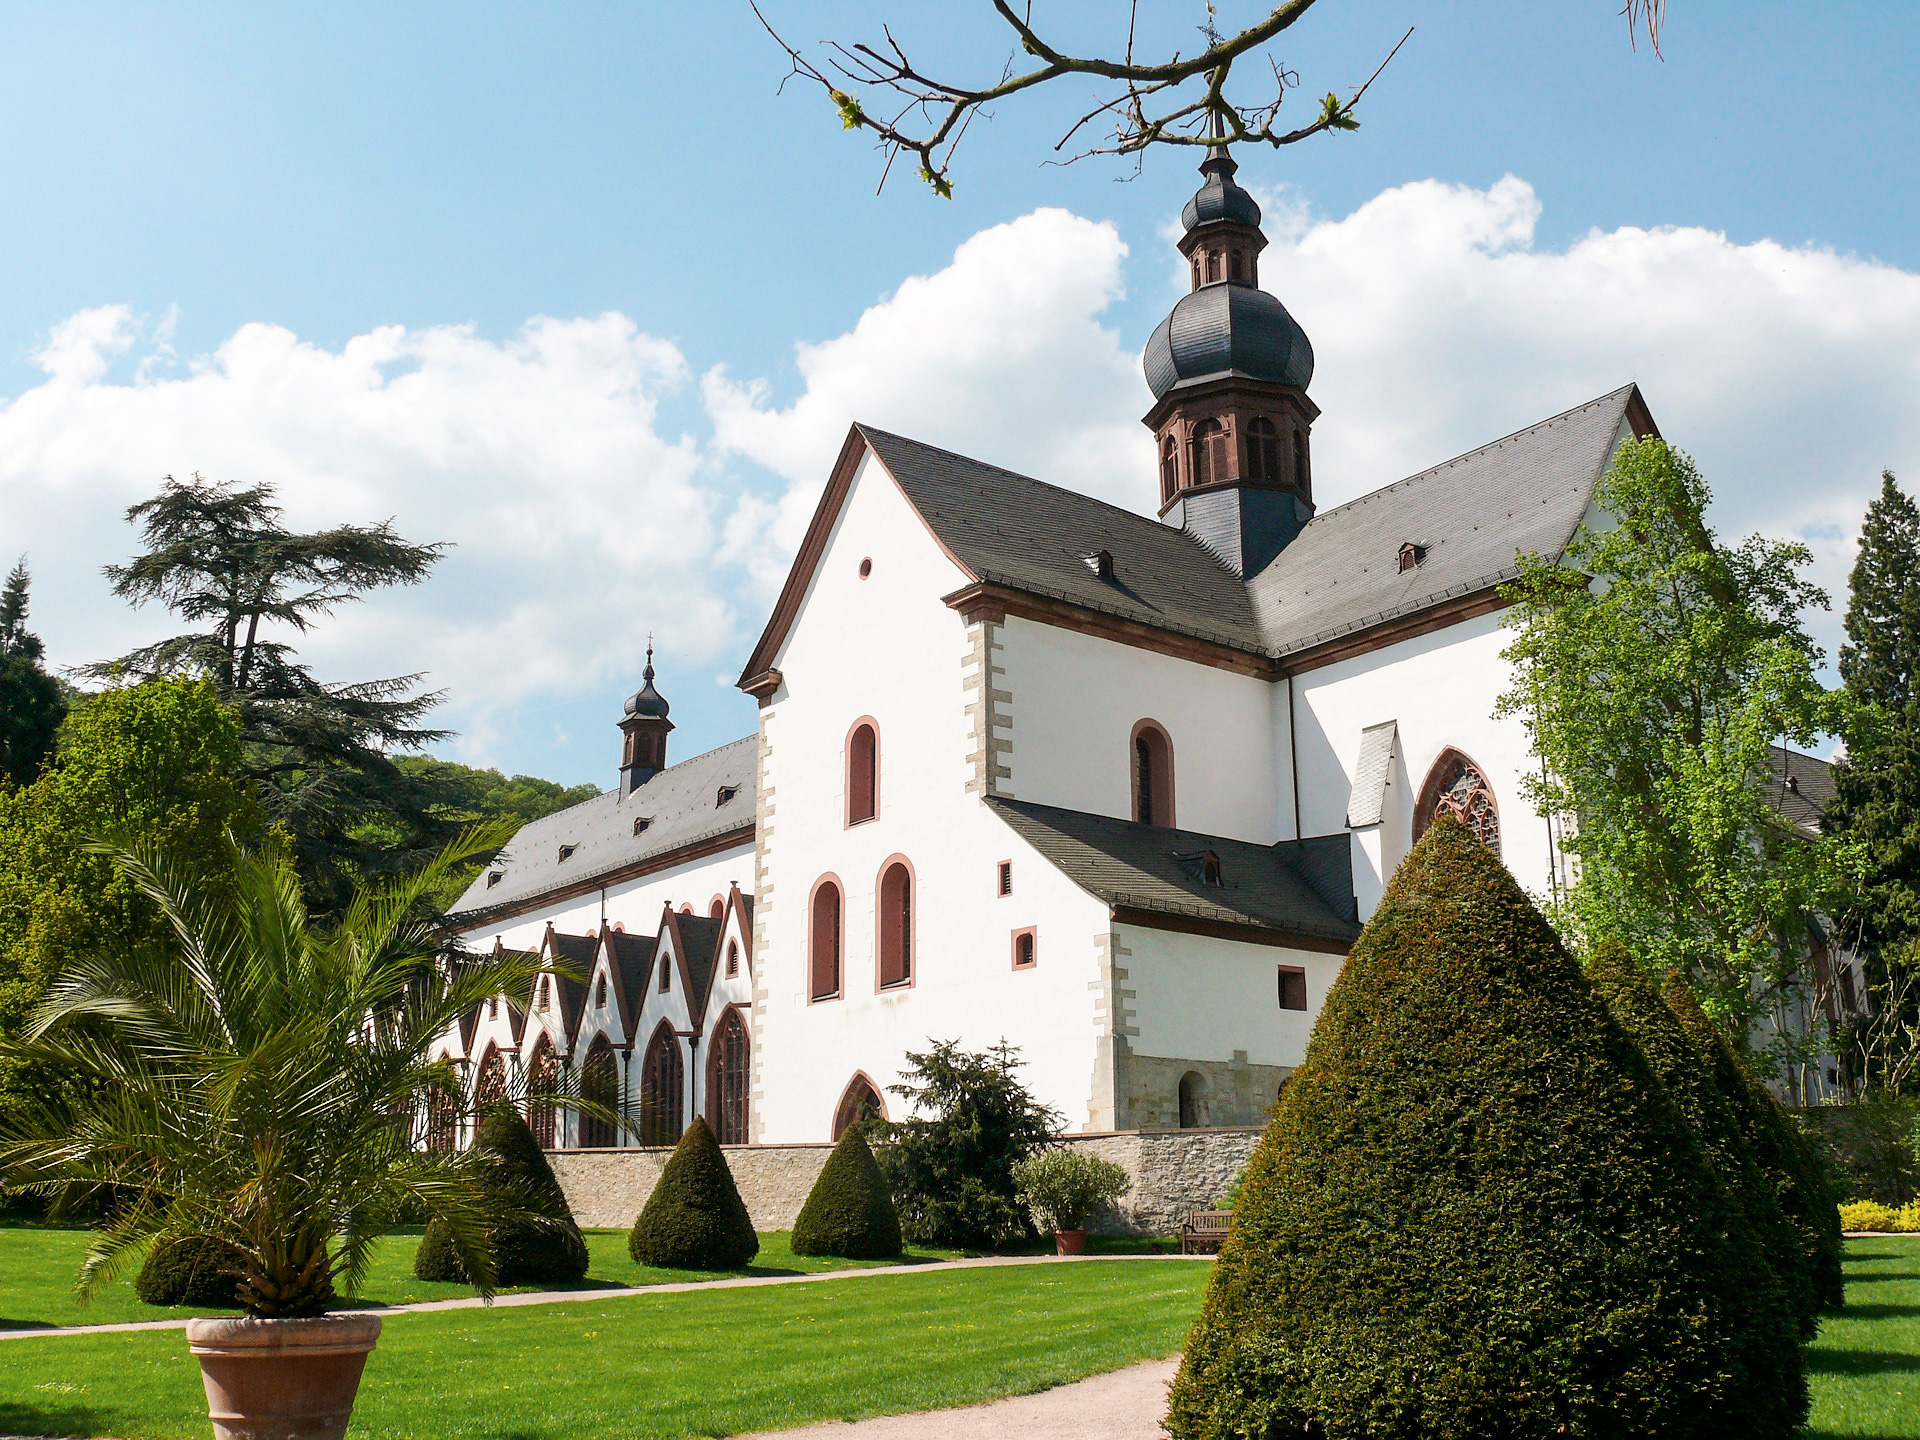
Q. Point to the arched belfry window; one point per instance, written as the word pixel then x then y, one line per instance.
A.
pixel 1458 787
pixel 662 1089
pixel 1263 450
pixel 1207 453
pixel 1169 468
pixel 599 1085
pixel 893 923
pixel 823 960
pixel 1152 774
pixel 863 772
pixel 1300 476
pixel 727 1071
pixel 858 1101
pixel 542 1073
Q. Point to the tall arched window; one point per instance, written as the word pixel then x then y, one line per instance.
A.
pixel 1207 453
pixel 859 1100
pixel 893 923
pixel 716 908
pixel 823 961
pixel 662 1089
pixel 727 1072
pixel 1458 787
pixel 863 772
pixel 443 1120
pixel 490 1088
pixel 599 1085
pixel 1263 450
pixel 1300 476
pixel 542 1072
pixel 1169 468
pixel 1152 775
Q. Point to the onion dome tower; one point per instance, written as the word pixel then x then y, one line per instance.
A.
pixel 645 726
pixel 1229 370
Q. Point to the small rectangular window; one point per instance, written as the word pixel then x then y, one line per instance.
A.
pixel 1025 949
pixel 1006 877
pixel 1293 988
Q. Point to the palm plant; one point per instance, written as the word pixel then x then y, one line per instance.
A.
pixel 258 1080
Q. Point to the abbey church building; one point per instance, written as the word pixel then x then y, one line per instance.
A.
pixel 1118 789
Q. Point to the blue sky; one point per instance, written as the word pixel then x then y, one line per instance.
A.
pixel 224 172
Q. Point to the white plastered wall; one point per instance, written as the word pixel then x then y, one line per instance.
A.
pixel 887 647
pixel 1199 997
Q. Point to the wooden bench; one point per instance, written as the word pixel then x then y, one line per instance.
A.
pixel 1204 1232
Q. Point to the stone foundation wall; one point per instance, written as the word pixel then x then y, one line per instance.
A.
pixel 1173 1172
pixel 1231 1092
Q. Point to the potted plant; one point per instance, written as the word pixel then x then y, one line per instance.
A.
pixel 256 1083
pixel 1064 1189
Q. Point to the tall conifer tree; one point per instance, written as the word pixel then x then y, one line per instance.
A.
pixel 31 705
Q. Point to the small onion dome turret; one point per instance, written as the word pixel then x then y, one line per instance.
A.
pixel 1228 329
pixel 648 703
pixel 1220 199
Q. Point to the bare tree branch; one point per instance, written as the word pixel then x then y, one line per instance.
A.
pixel 1648 15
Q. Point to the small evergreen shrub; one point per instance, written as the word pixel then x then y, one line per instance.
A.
pixel 1779 1150
pixel 1477 1213
pixel 198 1271
pixel 695 1219
pixel 849 1212
pixel 1066 1189
pixel 1637 1004
pixel 543 1245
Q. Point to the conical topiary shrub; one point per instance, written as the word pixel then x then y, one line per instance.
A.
pixel 198 1271
pixel 1645 1015
pixel 849 1212
pixel 1476 1212
pixel 1805 1198
pixel 694 1220
pixel 545 1249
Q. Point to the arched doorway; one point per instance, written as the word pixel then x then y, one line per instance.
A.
pixel 859 1100
pixel 728 1069
pixel 1193 1100
pixel 662 1089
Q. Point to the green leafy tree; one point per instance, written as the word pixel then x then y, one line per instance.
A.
pixel 220 559
pixel 255 1078
pixel 156 760
pixel 950 1163
pixel 31 703
pixel 436 795
pixel 1477 1213
pixel 1654 669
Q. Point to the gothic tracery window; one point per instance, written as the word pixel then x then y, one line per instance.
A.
pixel 857 1102
pixel 1458 787
pixel 662 1087
pixel 542 1072
pixel 599 1085
pixel 490 1089
pixel 727 1079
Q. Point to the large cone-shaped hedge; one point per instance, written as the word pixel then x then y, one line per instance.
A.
pixel 195 1271
pixel 849 1212
pixel 1476 1212
pixel 546 1249
pixel 1637 1004
pixel 694 1220
pixel 1799 1182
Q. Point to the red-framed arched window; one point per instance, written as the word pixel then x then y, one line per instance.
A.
pixel 893 922
pixel 662 1089
pixel 599 1085
pixel 716 908
pixel 1458 787
pixel 1207 453
pixel 729 1060
pixel 863 771
pixel 827 941
pixel 860 1099
pixel 542 1073
pixel 1170 465
pixel 443 1120
pixel 1151 763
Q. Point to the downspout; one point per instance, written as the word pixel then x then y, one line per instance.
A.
pixel 1293 753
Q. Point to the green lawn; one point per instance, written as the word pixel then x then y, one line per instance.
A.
pixel 715 1363
pixel 1866 1364
pixel 37 1267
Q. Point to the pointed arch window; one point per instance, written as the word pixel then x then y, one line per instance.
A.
pixel 863 772
pixel 1458 787
pixel 1207 453
pixel 857 1102
pixel 662 1089
pixel 443 1120
pixel 490 1088
pixel 599 1085
pixel 893 924
pixel 823 960
pixel 728 1064
pixel 542 1072
pixel 1263 450
pixel 1152 774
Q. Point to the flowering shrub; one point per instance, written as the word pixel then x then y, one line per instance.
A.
pixel 1872 1215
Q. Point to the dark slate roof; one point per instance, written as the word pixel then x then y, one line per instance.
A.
pixel 1020 532
pixel 699 942
pixel 576 952
pixel 681 801
pixel 1473 515
pixel 1801 789
pixel 1302 887
pixel 1524 494
pixel 633 969
pixel 1227 329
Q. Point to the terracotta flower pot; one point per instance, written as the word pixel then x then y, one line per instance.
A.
pixel 1069 1242
pixel 282 1379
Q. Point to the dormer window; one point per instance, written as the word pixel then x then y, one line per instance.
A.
pixel 1411 555
pixel 640 824
pixel 494 877
pixel 1203 866
pixel 727 792
pixel 566 852
pixel 1101 563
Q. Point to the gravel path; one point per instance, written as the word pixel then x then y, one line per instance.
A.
pixel 1124 1405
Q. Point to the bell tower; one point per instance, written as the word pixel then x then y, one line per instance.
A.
pixel 644 726
pixel 1229 369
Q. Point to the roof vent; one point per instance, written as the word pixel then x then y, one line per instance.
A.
pixel 1411 555
pixel 1204 866
pixel 494 877
pixel 1101 563
pixel 640 823
pixel 727 792
pixel 566 852
pixel 1793 784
